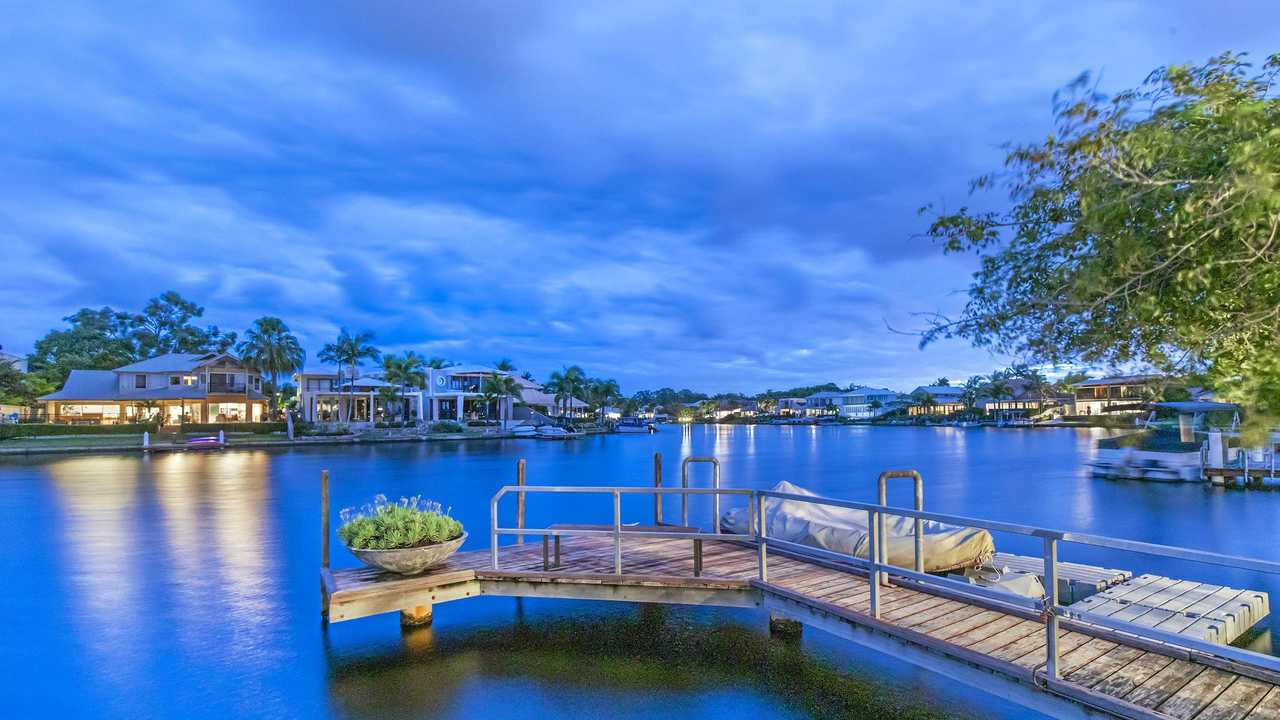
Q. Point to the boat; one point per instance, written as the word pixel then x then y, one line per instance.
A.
pixel 634 425
pixel 209 442
pixel 524 431
pixel 551 432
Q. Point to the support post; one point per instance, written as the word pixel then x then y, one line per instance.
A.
pixel 657 483
pixel 493 533
pixel 873 557
pixel 324 519
pixel 1051 607
pixel 520 500
pixel 416 616
pixel 617 532
pixel 761 540
pixel 784 628
pixel 697 558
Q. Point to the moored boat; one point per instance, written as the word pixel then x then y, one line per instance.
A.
pixel 634 425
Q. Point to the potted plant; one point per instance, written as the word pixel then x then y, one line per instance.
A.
pixel 408 537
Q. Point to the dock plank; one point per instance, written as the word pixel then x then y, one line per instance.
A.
pixel 1236 701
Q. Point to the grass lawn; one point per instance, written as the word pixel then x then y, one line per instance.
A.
pixel 69 441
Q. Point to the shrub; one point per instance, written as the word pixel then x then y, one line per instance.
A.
pixel 446 426
pixel 26 430
pixel 413 522
pixel 258 428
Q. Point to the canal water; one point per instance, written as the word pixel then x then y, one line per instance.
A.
pixel 187 583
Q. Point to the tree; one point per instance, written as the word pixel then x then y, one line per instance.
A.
pixel 438 363
pixel 96 340
pixel 349 351
pixel 972 392
pixel 164 326
pixel 527 376
pixel 497 386
pixel 942 382
pixel 601 393
pixel 505 365
pixel 403 372
pixel 269 347
pixel 567 385
pixel 1143 231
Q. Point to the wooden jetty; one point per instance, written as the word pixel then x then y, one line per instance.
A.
pixel 1056 659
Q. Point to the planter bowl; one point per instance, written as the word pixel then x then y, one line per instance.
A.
pixel 410 561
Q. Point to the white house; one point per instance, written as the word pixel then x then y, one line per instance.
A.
pixel 1118 394
pixel 947 399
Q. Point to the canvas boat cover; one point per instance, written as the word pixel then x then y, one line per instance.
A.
pixel 844 531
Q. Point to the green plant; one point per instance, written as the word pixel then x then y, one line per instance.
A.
pixel 412 522
pixel 8 432
pixel 446 426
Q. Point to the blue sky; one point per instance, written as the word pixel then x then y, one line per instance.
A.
pixel 707 195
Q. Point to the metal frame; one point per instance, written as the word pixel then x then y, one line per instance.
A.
pixel 878 569
pixel 919 505
pixel 715 484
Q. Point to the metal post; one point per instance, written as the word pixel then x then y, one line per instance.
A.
pixel 520 500
pixel 684 483
pixel 324 518
pixel 493 532
pixel 919 505
pixel 761 540
pixel 873 557
pixel 1051 606
pixel 657 482
pixel 617 532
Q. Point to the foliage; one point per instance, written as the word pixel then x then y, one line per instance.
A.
pixel 19 388
pixel 566 386
pixel 270 348
pixel 258 428
pixel 27 430
pixel 412 522
pixel 505 365
pixel 446 426
pixel 348 351
pixel 1143 231
pixel 497 386
pixel 403 371
pixel 164 326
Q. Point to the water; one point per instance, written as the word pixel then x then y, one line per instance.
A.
pixel 187 583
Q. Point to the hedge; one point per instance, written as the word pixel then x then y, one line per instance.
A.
pixel 446 426
pixel 27 430
pixel 258 428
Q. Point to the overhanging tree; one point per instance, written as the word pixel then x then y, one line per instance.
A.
pixel 1145 230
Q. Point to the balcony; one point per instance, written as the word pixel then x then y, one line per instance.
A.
pixel 222 386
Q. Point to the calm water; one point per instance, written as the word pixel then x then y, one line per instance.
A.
pixel 145 587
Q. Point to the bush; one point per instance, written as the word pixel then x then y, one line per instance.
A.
pixel 446 426
pixel 413 522
pixel 387 425
pixel 258 428
pixel 26 430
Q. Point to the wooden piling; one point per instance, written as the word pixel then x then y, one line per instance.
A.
pixel 784 628
pixel 520 500
pixel 657 482
pixel 417 616
pixel 324 518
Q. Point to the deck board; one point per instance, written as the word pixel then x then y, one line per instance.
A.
pixel 1168 687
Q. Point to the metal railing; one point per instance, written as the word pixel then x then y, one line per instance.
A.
pixel 879 570
pixel 715 484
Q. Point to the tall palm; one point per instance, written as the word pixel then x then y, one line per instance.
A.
pixel 603 393
pixel 438 363
pixel 349 350
pixel 505 365
pixel 498 386
pixel 567 385
pixel 270 348
pixel 403 372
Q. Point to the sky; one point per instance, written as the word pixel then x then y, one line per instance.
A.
pixel 721 196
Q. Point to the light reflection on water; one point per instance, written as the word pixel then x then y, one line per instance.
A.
pixel 189 580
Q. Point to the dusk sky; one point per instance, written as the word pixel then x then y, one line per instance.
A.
pixel 702 195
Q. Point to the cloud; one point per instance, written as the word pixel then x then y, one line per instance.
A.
pixel 692 195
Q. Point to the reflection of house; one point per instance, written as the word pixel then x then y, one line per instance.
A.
pixel 1118 394
pixel 452 393
pixel 940 400
pixel 209 387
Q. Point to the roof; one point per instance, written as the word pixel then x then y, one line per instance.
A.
pixel 172 362
pixel 822 394
pixel 936 390
pixel 100 385
pixel 1119 380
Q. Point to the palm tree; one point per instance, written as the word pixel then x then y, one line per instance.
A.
pixel 497 386
pixel 438 363
pixel 269 347
pixel 527 376
pixel 348 350
pixel 505 365
pixel 602 393
pixel 567 386
pixel 404 371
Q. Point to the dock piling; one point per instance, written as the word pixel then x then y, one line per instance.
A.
pixel 417 616
pixel 520 500
pixel 657 482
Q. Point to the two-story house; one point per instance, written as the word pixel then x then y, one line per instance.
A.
pixel 172 388
pixel 1123 394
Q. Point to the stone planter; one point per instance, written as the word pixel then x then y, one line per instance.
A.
pixel 410 561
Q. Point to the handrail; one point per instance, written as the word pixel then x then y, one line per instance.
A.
pixel 684 483
pixel 919 505
pixel 877 566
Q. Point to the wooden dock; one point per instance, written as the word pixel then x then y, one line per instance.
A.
pixel 1214 613
pixel 1000 649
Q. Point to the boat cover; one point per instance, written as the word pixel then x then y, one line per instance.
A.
pixel 844 531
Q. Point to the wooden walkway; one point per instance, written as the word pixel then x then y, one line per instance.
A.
pixel 999 648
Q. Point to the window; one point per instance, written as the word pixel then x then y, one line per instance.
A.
pixel 140 381
pixel 174 379
pixel 190 379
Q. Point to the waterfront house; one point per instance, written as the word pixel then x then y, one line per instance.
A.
pixel 865 403
pixel 1023 401
pixel 791 406
pixel 825 402
pixel 1117 394
pixel 172 388
pixel 452 393
pixel 941 400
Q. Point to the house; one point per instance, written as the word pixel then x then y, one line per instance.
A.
pixel 1117 394
pixel 825 402
pixel 791 406
pixel 172 388
pixel 1023 401
pixel 865 403
pixel 18 362
pixel 943 400
pixel 452 393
